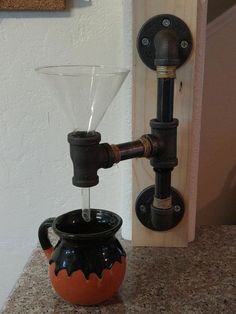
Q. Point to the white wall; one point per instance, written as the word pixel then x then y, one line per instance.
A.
pixel 35 180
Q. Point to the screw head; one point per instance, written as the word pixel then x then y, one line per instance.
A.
pixel 177 208
pixel 184 44
pixel 145 41
pixel 166 22
pixel 143 209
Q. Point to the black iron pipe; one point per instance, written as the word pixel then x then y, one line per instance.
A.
pixel 130 150
pixel 163 183
pixel 165 99
pixel 147 146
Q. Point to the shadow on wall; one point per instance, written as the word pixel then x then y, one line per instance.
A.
pixel 220 210
pixel 79 3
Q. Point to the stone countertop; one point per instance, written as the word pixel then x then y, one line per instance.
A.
pixel 197 279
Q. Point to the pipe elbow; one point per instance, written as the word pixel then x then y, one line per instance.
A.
pixel 167 48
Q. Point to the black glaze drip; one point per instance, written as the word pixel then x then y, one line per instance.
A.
pixel 92 257
pixel 87 246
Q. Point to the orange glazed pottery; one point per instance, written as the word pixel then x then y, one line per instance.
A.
pixel 87 266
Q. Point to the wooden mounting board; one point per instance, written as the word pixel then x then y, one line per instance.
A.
pixel 33 5
pixel 187 108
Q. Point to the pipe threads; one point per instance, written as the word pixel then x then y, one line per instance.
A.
pixel 166 71
pixel 164 203
pixel 147 146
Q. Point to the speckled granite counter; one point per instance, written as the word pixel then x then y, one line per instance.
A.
pixel 197 279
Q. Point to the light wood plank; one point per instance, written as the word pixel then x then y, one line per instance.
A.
pixel 193 168
pixel 187 109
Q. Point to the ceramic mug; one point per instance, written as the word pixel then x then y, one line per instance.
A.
pixel 87 265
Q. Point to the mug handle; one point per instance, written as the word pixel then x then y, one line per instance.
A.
pixel 43 237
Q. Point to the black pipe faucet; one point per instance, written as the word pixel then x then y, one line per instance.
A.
pixel 159 207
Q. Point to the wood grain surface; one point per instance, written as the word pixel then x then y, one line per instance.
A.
pixel 31 5
pixel 187 108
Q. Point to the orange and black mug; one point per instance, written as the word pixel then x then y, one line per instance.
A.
pixel 87 265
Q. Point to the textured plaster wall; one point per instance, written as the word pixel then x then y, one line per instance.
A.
pixel 35 179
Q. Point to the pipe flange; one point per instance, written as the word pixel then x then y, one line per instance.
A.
pixel 159 219
pixel 145 39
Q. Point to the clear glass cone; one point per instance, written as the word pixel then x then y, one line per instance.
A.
pixel 85 92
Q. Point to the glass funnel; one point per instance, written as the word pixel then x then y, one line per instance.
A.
pixel 85 92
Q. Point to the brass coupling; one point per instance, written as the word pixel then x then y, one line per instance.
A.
pixel 166 71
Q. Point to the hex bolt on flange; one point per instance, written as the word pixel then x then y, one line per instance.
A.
pixel 143 208
pixel 184 44
pixel 177 208
pixel 166 22
pixel 145 41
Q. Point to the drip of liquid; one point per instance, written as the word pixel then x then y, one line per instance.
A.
pixel 85 196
